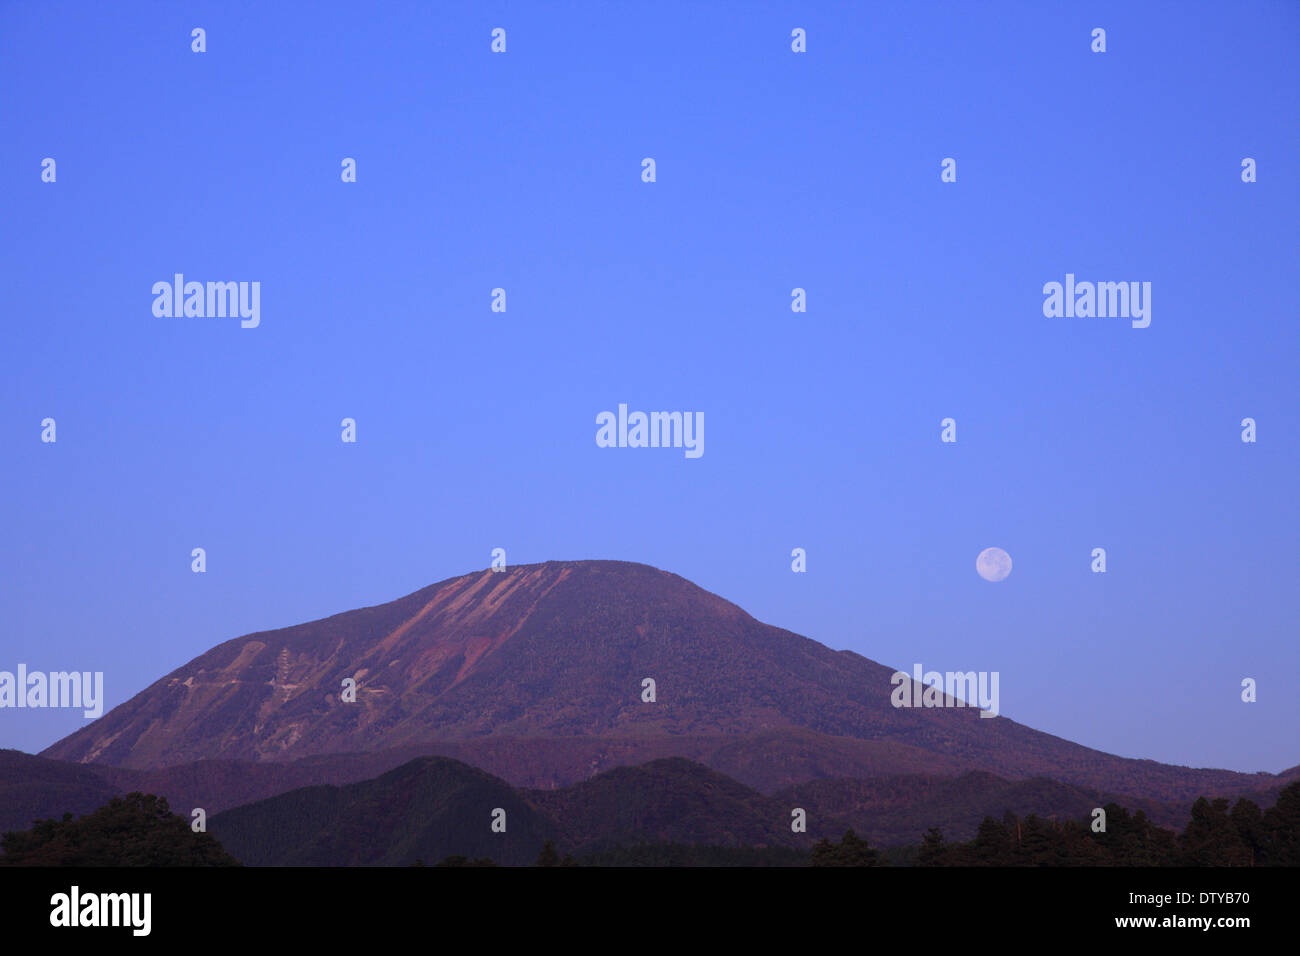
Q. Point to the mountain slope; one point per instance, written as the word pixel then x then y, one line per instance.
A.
pixel 427 809
pixel 673 800
pixel 560 650
pixel 434 807
pixel 33 788
pixel 549 650
pixel 430 808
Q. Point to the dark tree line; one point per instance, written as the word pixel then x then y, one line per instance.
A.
pixel 1215 836
pixel 852 850
pixel 140 830
pixel 135 830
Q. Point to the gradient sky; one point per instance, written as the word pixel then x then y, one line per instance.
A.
pixel 775 170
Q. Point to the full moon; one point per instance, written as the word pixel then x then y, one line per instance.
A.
pixel 993 564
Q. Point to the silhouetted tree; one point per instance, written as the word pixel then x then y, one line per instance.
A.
pixel 1210 839
pixel 932 848
pixel 1282 827
pixel 1248 821
pixel 136 830
pixel 1040 843
pixel 547 856
pixel 852 850
pixel 992 846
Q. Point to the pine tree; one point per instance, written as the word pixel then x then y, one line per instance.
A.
pixel 851 851
pixel 1210 839
pixel 992 844
pixel 932 850
pixel 1248 821
pixel 1282 826
pixel 548 856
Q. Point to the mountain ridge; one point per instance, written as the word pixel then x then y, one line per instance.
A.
pixel 559 651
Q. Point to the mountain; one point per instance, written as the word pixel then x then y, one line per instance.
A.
pixel 673 800
pixel 434 807
pixel 33 788
pixel 589 811
pixel 557 652
pixel 427 809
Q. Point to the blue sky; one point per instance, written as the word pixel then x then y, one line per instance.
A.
pixel 775 170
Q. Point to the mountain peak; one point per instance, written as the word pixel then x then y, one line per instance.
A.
pixel 561 649
pixel 430 665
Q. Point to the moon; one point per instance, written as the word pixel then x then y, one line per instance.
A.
pixel 993 564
